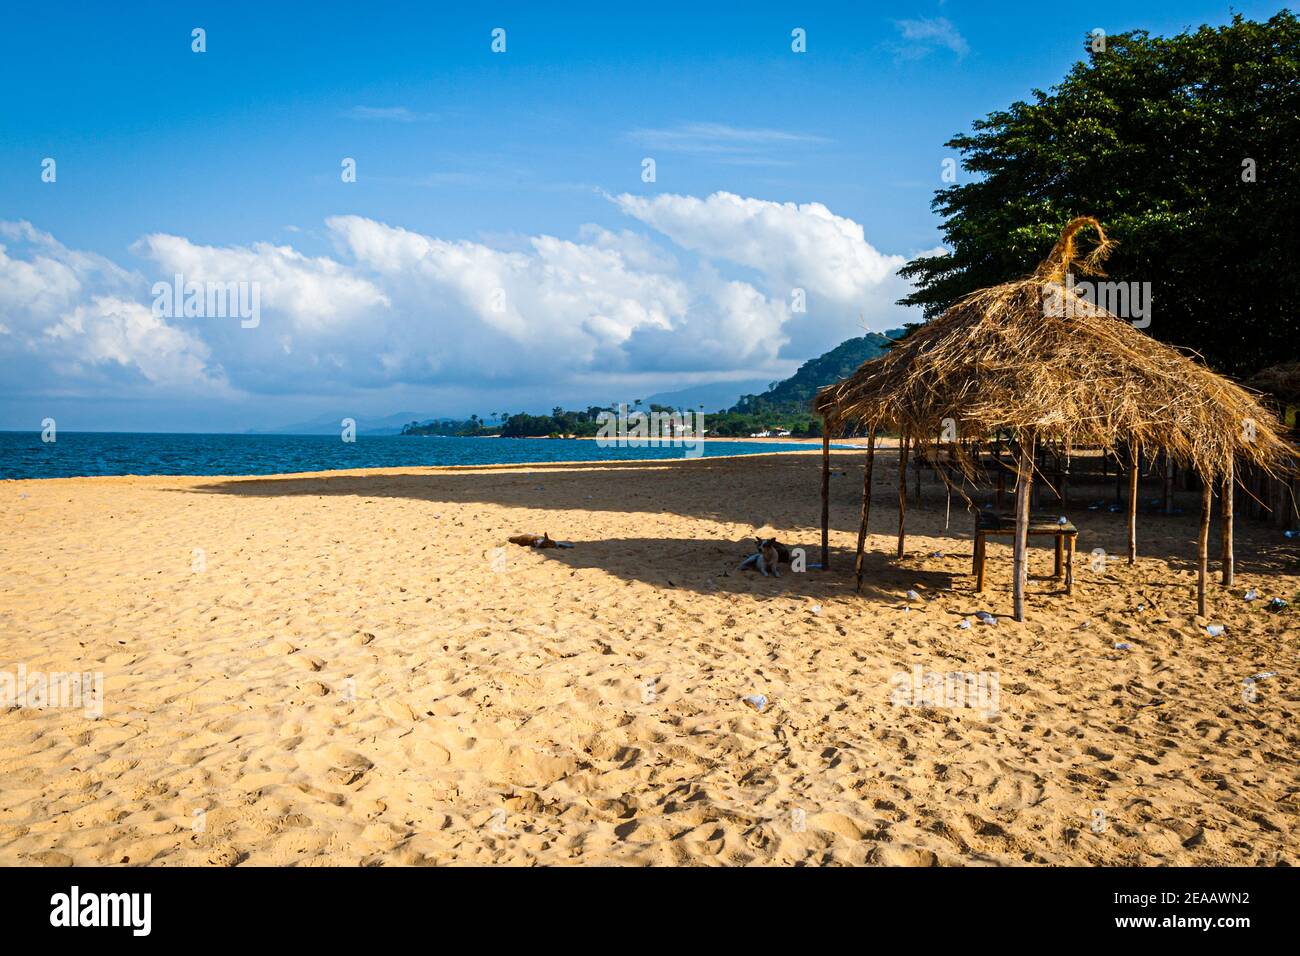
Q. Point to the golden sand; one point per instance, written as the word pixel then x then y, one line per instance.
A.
pixel 356 668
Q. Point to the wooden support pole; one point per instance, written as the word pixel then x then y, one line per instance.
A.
pixel 1225 508
pixel 866 508
pixel 920 463
pixel 1020 563
pixel 1002 477
pixel 902 491
pixel 1135 469
pixel 1063 489
pixel 1203 546
pixel 826 501
pixel 1169 484
pixel 1119 479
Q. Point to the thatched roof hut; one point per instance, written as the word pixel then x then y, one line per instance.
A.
pixel 1282 384
pixel 1281 381
pixel 1036 360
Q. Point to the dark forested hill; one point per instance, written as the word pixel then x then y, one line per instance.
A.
pixel 797 391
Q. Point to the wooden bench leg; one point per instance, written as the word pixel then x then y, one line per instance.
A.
pixel 980 542
pixel 1069 564
pixel 1060 550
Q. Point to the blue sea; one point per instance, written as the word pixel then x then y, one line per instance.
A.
pixel 74 454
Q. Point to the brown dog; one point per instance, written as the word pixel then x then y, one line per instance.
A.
pixel 543 540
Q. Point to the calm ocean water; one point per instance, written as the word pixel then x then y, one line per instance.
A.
pixel 24 455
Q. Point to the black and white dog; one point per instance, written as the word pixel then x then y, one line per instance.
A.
pixel 770 554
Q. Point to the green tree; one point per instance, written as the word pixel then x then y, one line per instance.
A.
pixel 1159 138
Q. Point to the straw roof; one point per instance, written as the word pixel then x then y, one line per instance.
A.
pixel 1034 357
pixel 1281 381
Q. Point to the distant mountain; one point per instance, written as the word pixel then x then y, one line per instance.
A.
pixel 796 393
pixel 749 397
pixel 332 425
pixel 712 396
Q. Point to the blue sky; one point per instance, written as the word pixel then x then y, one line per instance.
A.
pixel 476 172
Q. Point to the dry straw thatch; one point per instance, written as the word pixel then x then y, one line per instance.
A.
pixel 1034 358
pixel 1281 381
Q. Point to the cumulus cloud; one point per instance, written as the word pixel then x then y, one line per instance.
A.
pixel 805 246
pixel 702 289
pixel 73 317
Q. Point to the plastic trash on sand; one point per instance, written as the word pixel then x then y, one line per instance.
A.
pixel 757 701
pixel 1214 630
pixel 984 617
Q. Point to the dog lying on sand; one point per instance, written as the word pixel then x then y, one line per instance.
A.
pixel 770 554
pixel 539 541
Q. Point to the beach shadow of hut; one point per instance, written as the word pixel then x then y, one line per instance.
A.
pixel 709 565
pixel 1034 361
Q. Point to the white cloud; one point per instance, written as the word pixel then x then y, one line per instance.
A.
pixel 392 114
pixel 312 293
pixel 722 143
pixel 75 318
pixel 706 294
pixel 924 35
pixel 793 246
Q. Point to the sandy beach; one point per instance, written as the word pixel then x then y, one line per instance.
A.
pixel 356 668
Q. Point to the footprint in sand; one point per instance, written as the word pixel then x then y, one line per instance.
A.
pixel 346 766
pixel 227 855
pixel 306 662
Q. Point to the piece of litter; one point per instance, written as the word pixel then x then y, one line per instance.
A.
pixel 1277 604
pixel 757 701
pixel 913 596
pixel 1262 675
pixel 936 554
pixel 816 609
pixel 1290 534
pixel 1214 630
pixel 1123 647
pixel 965 624
pixel 1251 595
pixel 1062 520
pixel 984 617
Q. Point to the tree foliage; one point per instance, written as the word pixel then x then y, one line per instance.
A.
pixel 1151 135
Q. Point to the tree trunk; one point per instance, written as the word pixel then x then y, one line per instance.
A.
pixel 826 501
pixel 866 508
pixel 1020 563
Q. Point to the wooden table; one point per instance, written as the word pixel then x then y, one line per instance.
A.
pixel 987 523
